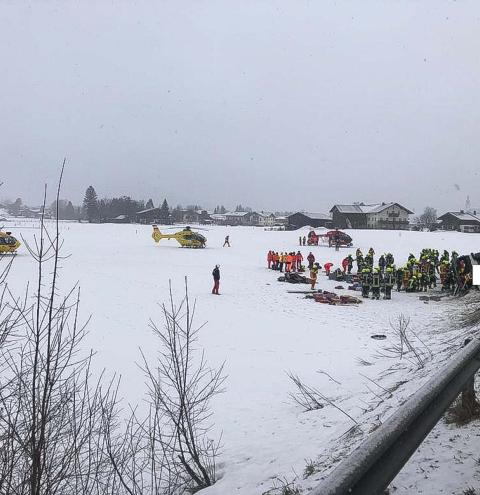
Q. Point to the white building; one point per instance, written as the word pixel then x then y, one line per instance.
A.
pixel 388 216
pixel 266 219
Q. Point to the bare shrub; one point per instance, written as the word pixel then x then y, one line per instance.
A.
pixel 281 486
pixel 310 398
pixel 170 450
pixel 310 469
pixel 408 344
pixel 462 412
pixel 469 315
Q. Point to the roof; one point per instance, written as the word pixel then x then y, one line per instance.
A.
pixel 462 216
pixel 148 210
pixel 379 208
pixel 361 208
pixel 237 213
pixel 348 208
pixel 313 216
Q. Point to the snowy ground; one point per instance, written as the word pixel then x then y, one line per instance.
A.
pixel 261 331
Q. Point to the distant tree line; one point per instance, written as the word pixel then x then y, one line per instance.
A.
pixel 94 209
pixel 102 210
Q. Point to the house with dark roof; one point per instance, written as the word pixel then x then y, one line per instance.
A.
pixel 460 220
pixel 391 216
pixel 304 219
pixel 349 216
pixel 150 215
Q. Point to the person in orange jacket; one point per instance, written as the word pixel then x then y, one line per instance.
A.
pixel 269 259
pixel 289 262
pixel 328 267
pixel 299 259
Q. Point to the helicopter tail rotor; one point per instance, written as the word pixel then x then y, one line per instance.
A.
pixel 156 234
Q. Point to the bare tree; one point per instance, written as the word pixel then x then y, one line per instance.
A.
pixel 428 218
pixel 60 427
pixel 51 409
pixel 171 450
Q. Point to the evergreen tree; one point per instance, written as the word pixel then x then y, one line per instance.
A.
pixel 223 210
pixel 149 204
pixel 69 211
pixel 165 212
pixel 102 209
pixel 90 204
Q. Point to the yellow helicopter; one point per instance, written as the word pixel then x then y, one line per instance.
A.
pixel 8 243
pixel 185 237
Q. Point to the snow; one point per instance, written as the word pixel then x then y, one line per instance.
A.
pixel 260 332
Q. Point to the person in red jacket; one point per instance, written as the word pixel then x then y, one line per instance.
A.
pixel 299 259
pixel 310 259
pixel 328 267
pixel 269 259
pixel 345 264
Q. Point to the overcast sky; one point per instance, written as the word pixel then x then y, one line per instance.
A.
pixel 278 105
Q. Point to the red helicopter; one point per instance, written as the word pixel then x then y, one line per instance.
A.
pixel 332 237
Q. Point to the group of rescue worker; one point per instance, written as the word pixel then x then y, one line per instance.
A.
pixel 418 274
pixel 288 262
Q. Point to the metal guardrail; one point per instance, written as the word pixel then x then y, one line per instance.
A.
pixel 374 464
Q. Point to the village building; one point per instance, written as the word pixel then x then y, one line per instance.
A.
pixel 392 216
pixel 149 216
pixel 303 219
pixel 242 218
pixel 118 219
pixel 266 219
pixel 281 221
pixel 218 218
pixel 460 221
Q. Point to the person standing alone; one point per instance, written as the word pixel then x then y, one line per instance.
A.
pixel 227 241
pixel 216 280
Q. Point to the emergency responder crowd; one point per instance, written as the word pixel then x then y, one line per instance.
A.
pixel 418 274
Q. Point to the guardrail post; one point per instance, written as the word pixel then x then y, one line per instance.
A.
pixel 469 399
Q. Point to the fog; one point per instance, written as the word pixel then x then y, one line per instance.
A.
pixel 277 105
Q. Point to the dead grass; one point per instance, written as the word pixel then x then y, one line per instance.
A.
pixel 460 415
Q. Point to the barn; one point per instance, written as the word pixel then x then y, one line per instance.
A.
pixel 303 219
pixel 391 216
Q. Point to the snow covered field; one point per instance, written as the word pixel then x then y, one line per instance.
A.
pixel 260 331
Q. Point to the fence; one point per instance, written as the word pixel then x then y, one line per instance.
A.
pixel 375 463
